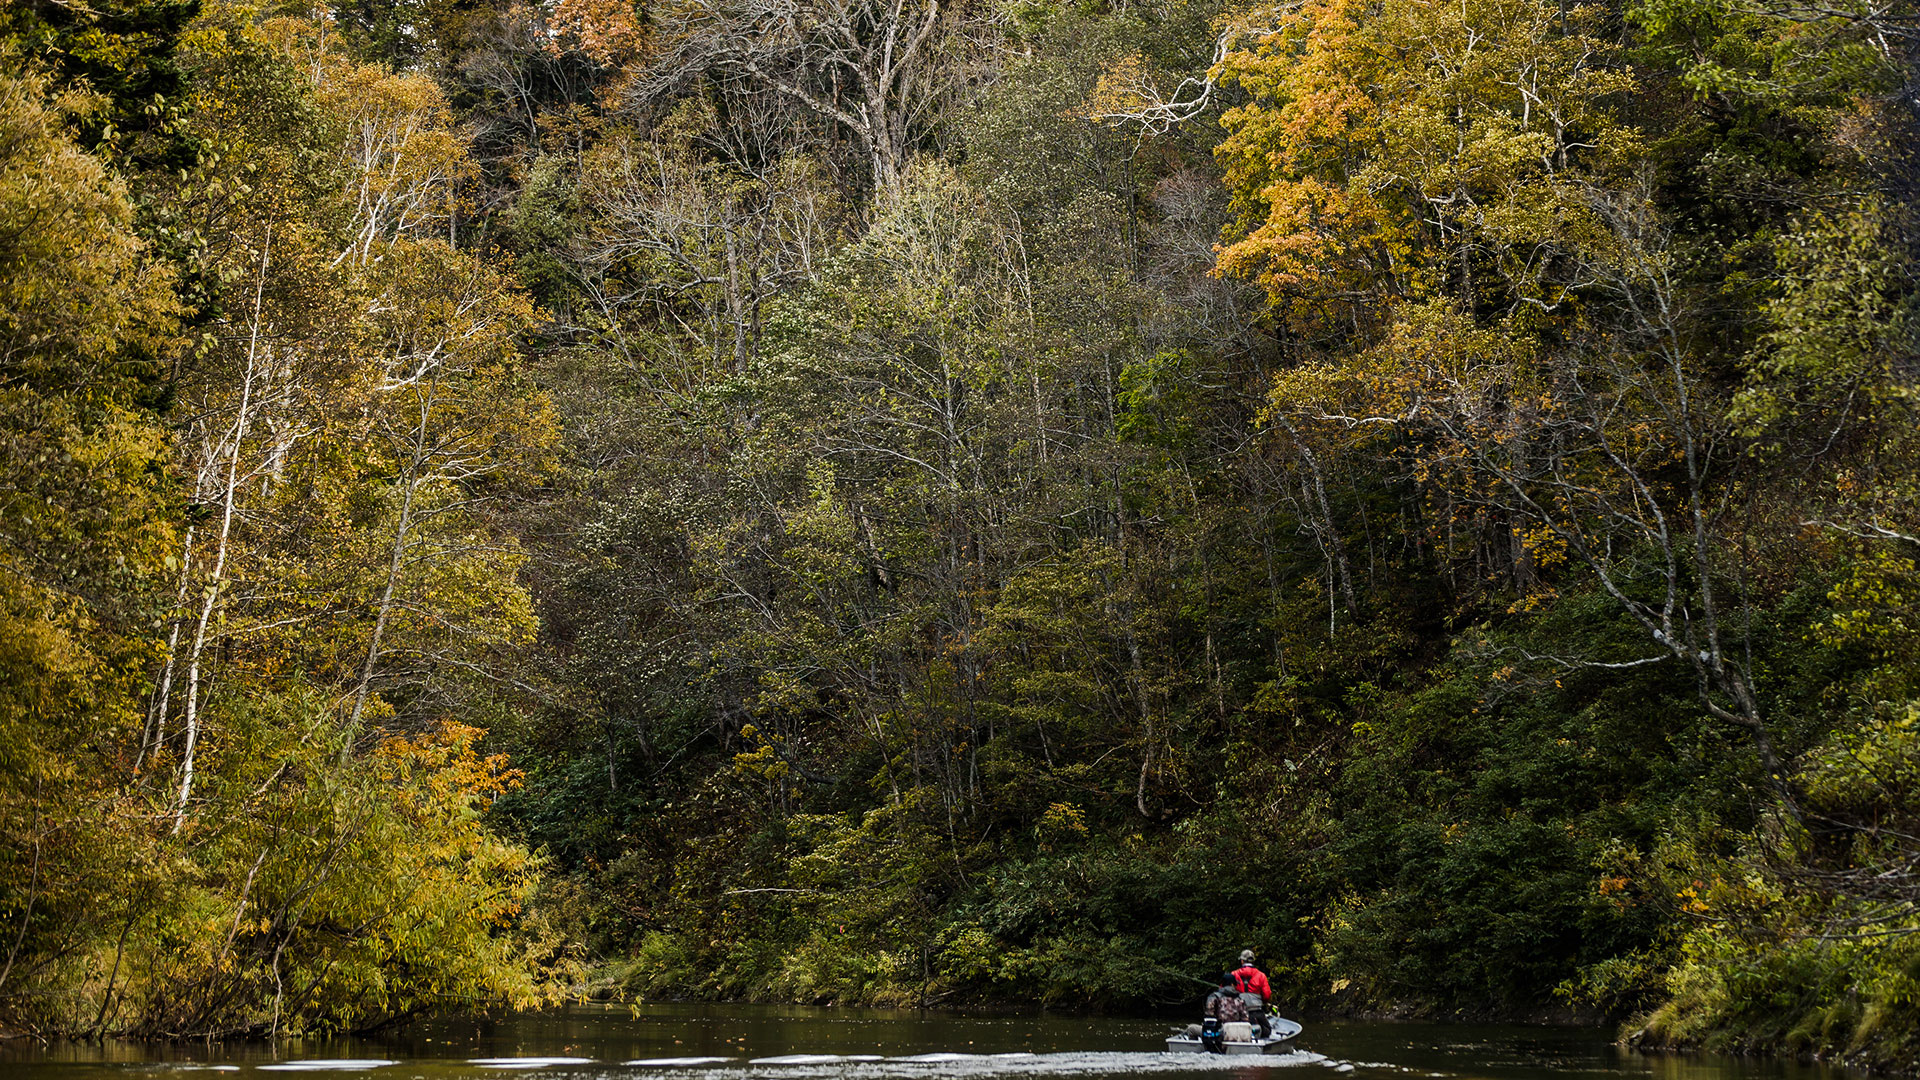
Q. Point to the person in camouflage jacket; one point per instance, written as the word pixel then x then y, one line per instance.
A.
pixel 1224 1004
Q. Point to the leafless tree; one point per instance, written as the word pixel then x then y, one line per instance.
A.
pixel 697 245
pixel 883 70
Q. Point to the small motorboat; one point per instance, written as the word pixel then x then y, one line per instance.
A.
pixel 1194 1041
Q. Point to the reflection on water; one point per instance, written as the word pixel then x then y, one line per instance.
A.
pixel 744 1042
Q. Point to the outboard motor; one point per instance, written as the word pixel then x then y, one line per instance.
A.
pixel 1212 1037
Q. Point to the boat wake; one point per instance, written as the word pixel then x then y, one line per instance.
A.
pixel 934 1066
pixel 981 1066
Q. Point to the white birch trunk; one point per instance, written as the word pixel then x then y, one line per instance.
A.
pixel 397 558
pixel 155 734
pixel 217 575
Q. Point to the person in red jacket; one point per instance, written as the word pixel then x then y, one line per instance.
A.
pixel 1254 990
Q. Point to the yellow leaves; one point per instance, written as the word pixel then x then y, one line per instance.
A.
pixel 395 841
pixel 1855 769
pixel 76 285
pixel 762 763
pixel 1836 340
pixel 825 532
pixel 1302 219
pixel 1433 357
pixel 1383 142
pixel 400 153
pixel 1874 605
pixel 1543 544
pixel 84 310
pixel 1061 823
pixel 1693 899
pixel 370 883
pixel 1125 87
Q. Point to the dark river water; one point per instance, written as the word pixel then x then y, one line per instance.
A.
pixel 746 1042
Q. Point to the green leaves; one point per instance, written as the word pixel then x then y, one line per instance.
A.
pixel 1841 317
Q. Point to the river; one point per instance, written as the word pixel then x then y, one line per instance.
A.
pixel 672 1041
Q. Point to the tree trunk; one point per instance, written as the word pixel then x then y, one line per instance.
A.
pixel 403 528
pixel 384 611
pixel 155 733
pixel 217 577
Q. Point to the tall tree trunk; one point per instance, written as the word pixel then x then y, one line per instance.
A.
pixel 397 558
pixel 1139 677
pixel 1325 530
pixel 217 576
pixel 155 732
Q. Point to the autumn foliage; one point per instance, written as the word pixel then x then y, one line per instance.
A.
pixel 939 502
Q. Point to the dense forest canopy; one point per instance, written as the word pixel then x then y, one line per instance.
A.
pixel 956 501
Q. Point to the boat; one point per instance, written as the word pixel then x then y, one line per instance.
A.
pixel 1283 1031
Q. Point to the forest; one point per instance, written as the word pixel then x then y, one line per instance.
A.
pixel 961 502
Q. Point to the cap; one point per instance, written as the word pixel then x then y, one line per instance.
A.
pixel 1246 956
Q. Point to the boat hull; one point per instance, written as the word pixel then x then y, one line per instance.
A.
pixel 1180 1044
pixel 1280 1042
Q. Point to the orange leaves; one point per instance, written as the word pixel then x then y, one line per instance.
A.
pixel 1285 152
pixel 1312 230
pixel 438 776
pixel 1314 68
pixel 448 751
pixel 606 31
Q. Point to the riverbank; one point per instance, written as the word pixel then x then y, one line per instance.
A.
pixel 1866 1027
